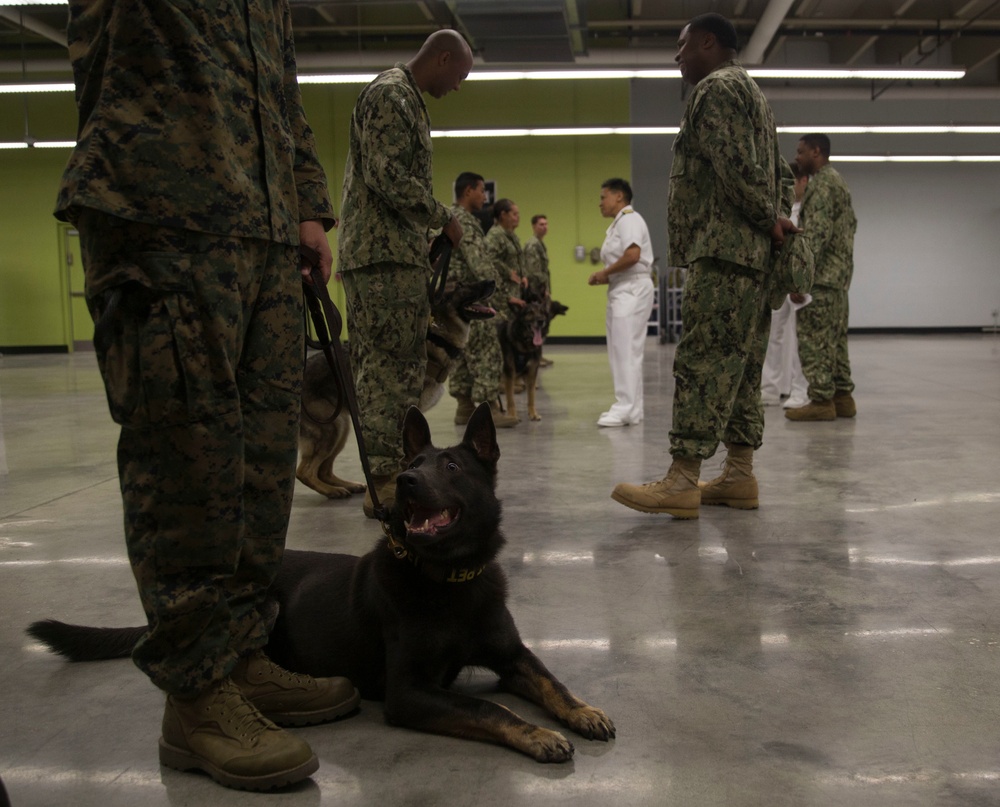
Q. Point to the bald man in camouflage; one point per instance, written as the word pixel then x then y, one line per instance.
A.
pixel 193 183
pixel 388 211
pixel 726 211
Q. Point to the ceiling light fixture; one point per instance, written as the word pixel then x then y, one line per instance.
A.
pixel 672 130
pixel 61 86
pixel 814 74
pixel 811 74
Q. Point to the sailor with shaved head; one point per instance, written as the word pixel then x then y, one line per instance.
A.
pixel 389 209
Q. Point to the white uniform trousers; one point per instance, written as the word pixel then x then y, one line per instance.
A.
pixel 630 302
pixel 782 371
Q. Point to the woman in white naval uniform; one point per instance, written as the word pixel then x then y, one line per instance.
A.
pixel 627 255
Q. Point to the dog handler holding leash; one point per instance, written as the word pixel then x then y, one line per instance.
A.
pixel 193 183
pixel 628 258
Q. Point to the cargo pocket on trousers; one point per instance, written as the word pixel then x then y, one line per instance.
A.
pixel 153 354
pixel 400 319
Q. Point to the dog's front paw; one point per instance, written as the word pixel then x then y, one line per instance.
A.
pixel 591 723
pixel 548 746
pixel 534 416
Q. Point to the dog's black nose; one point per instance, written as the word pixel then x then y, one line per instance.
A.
pixel 407 479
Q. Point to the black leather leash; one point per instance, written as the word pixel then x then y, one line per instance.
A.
pixel 440 257
pixel 329 325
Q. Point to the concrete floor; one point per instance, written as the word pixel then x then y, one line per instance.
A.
pixel 840 646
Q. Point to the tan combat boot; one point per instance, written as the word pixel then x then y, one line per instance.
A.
pixel 221 733
pixel 501 419
pixel 737 486
pixel 465 409
pixel 385 486
pixel 290 699
pixel 814 410
pixel 843 402
pixel 677 493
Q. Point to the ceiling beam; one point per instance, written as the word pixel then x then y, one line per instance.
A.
pixel 770 21
pixel 973 53
pixel 29 23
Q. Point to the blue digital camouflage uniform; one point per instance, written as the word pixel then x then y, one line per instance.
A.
pixel 828 223
pixel 388 209
pixel 724 198
pixel 193 170
pixel 476 374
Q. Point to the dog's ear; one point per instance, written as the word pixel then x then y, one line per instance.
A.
pixel 416 434
pixel 481 434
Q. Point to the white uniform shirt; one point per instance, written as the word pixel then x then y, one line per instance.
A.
pixel 627 229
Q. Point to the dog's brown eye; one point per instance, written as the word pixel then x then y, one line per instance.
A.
pixel 452 466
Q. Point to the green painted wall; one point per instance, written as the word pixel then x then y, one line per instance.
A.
pixel 558 176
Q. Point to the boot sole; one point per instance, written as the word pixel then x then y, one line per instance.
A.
pixel 180 760
pixel 327 715
pixel 676 512
pixel 736 504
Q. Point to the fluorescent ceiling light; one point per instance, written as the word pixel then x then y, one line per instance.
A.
pixel 672 130
pixel 37 87
pixel 890 129
pixel 916 158
pixel 867 74
pixel 337 78
pixel 815 74
pixel 820 74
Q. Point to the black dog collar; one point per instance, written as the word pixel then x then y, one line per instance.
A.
pixel 439 574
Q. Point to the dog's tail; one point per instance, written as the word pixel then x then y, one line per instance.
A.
pixel 83 643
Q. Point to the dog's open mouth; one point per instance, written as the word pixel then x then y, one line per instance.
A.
pixel 425 521
pixel 479 311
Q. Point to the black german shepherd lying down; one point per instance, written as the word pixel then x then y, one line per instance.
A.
pixel 402 621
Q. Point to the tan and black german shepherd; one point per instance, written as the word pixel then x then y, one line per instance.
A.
pixel 403 621
pixel 323 431
pixel 521 339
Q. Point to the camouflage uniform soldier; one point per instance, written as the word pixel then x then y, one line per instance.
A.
pixel 536 265
pixel 536 257
pixel 388 210
pixel 724 213
pixel 193 182
pixel 828 224
pixel 476 375
pixel 504 249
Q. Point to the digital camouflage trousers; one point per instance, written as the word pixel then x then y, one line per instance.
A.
pixel 199 340
pixel 822 332
pixel 477 372
pixel 388 312
pixel 718 360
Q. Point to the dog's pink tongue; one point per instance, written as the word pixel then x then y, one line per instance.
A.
pixel 537 340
